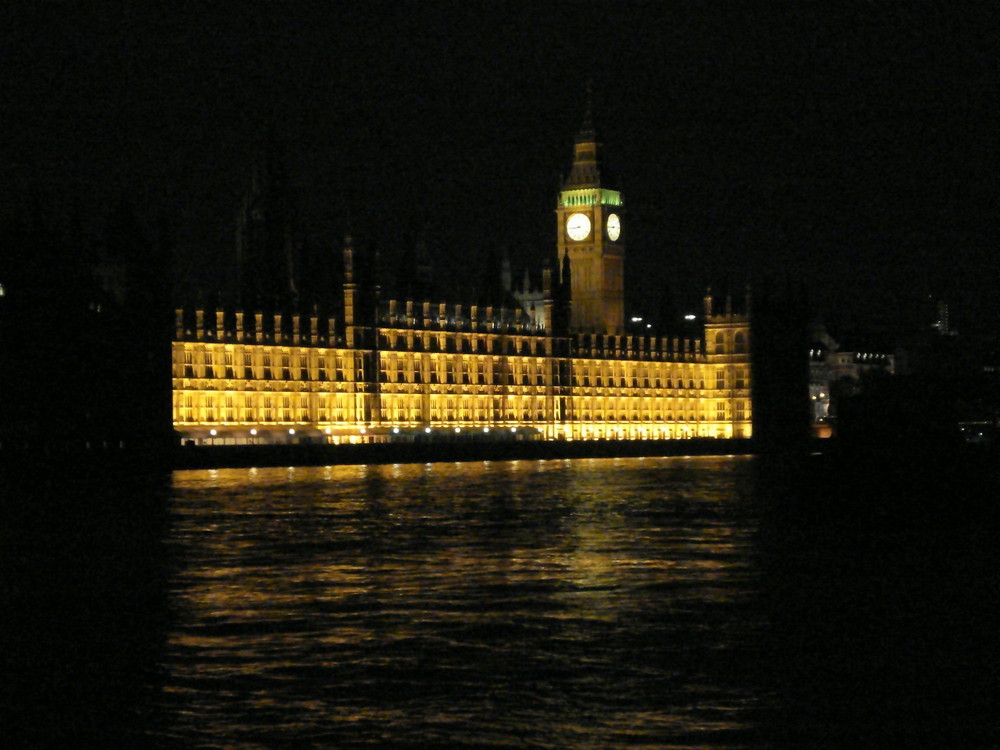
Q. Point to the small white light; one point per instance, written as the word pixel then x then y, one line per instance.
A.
pixel 513 429
pixel 458 429
pixel 362 430
pixel 395 430
pixel 689 317
pixel 427 429
pixel 328 430
pixel 211 432
pixel 486 429
pixel 291 431
pixel 253 431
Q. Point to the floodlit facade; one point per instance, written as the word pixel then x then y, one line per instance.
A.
pixel 553 365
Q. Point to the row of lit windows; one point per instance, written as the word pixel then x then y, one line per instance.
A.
pixel 262 364
pixel 446 342
pixel 727 341
pixel 256 400
pixel 447 370
pixel 202 358
pixel 253 408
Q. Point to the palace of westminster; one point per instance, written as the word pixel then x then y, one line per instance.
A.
pixel 552 362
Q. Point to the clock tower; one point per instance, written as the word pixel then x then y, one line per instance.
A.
pixel 590 234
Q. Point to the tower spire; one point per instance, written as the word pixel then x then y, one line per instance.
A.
pixel 587 132
pixel 586 170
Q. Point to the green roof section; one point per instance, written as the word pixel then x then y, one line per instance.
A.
pixel 589 197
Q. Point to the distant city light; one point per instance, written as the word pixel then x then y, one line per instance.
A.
pixel 636 319
pixel 689 316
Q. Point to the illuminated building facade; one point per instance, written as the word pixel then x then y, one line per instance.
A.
pixel 554 364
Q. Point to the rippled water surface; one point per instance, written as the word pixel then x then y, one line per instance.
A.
pixel 563 604
pixel 622 603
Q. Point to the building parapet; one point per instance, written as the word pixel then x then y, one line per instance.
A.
pixel 228 325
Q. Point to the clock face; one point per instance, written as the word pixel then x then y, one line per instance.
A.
pixel 614 227
pixel 578 227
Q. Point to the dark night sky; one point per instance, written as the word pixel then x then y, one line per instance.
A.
pixel 854 148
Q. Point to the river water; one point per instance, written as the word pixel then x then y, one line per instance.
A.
pixel 612 603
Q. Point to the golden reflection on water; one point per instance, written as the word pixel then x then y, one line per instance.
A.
pixel 470 602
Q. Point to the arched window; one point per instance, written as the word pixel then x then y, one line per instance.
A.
pixel 720 342
pixel 740 343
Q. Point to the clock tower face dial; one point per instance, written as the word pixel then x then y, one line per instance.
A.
pixel 578 227
pixel 614 227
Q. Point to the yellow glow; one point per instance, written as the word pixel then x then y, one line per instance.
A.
pixel 482 379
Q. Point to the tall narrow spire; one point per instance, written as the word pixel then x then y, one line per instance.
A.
pixel 586 170
pixel 587 132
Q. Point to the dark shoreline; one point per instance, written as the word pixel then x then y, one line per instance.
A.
pixel 239 456
pixel 50 461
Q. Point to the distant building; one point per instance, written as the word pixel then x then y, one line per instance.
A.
pixel 836 374
pixel 550 360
